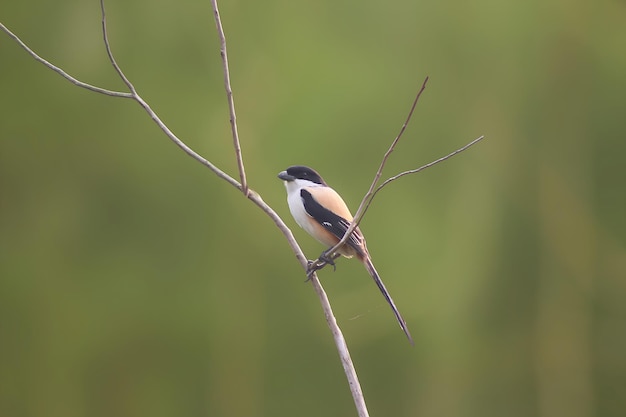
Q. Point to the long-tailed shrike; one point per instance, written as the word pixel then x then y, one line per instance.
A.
pixel 320 211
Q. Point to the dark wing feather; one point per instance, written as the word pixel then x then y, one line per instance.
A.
pixel 332 222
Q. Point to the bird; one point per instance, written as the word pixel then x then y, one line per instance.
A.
pixel 323 214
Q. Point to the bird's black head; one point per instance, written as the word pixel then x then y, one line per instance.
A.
pixel 301 172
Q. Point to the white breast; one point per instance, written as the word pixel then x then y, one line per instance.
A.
pixel 296 206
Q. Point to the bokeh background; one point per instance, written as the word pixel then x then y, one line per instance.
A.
pixel 133 282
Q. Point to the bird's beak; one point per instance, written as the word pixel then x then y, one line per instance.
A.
pixel 286 177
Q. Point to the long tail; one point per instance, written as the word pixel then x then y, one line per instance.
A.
pixel 372 271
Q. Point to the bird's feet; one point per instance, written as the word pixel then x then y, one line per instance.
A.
pixel 323 260
pixel 329 260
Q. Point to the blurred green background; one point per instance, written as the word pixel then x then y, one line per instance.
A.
pixel 133 282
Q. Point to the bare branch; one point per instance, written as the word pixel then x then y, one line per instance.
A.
pixel 342 348
pixel 132 95
pixel 370 193
pixel 423 167
pixel 340 342
pixel 59 71
pixel 229 97
pixel 375 188
pixel 415 171
pixel 358 215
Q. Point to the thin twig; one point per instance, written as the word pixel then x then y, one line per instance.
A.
pixel 370 193
pixel 59 71
pixel 230 98
pixel 107 46
pixel 423 167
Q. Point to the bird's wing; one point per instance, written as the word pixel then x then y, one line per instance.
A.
pixel 327 218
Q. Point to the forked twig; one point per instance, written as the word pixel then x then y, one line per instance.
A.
pixel 375 188
pixel 415 171
pixel 318 263
pixel 62 73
